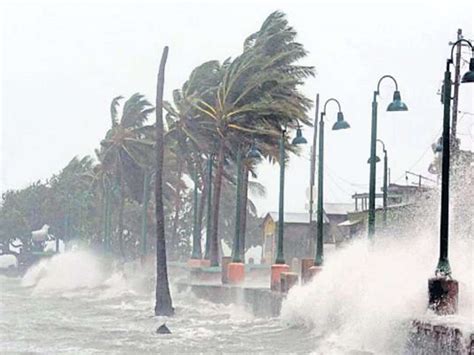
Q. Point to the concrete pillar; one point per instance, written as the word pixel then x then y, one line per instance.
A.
pixel 235 273
pixel 443 295
pixel 277 269
pixel 225 261
pixel 287 281
pixel 306 264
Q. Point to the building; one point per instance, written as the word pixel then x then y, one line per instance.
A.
pixel 299 233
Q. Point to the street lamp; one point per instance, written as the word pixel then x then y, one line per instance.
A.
pixel 395 106
pixel 385 179
pixel 340 124
pixel 443 290
pixel 299 139
pixel 280 265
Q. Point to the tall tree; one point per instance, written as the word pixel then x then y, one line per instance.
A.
pixel 126 150
pixel 258 95
pixel 163 304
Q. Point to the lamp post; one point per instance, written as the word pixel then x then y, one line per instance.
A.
pixel 340 124
pixel 394 106
pixel 385 179
pixel 443 290
pixel 385 182
pixel 280 265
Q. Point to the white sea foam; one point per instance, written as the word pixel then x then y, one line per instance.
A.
pixel 367 295
pixel 65 272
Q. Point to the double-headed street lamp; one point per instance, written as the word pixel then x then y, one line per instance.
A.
pixel 299 139
pixel 443 290
pixel 385 179
pixel 280 265
pixel 340 124
pixel 395 106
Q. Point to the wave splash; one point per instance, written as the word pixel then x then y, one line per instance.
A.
pixel 70 271
pixel 367 295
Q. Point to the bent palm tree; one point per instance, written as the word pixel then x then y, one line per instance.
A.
pixel 126 150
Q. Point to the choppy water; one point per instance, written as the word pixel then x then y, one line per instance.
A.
pixel 71 304
pixel 362 302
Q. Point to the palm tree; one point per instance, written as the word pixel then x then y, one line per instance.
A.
pixel 163 305
pixel 258 94
pixel 126 150
pixel 188 135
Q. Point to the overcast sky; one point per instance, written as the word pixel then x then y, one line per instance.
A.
pixel 63 62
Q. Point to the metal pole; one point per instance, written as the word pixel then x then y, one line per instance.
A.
pixel 373 142
pixel 280 259
pixel 146 186
pixel 457 77
pixel 209 207
pixel 318 261
pixel 197 252
pixel 443 267
pixel 385 187
pixel 236 257
pixel 312 174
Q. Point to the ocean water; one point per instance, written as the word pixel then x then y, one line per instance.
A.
pixel 76 303
pixel 362 302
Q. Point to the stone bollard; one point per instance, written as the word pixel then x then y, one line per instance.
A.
pixel 225 261
pixel 443 295
pixel 275 280
pixel 306 264
pixel 205 263
pixel 287 281
pixel 194 263
pixel 235 273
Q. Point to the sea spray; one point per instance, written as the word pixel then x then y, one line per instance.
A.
pixel 66 271
pixel 367 294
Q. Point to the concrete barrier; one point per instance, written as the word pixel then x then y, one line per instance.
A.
pixel 259 301
pixel 439 339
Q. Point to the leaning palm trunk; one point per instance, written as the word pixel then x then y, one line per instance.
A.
pixel 243 210
pixel 163 304
pixel 120 217
pixel 202 205
pixel 214 257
